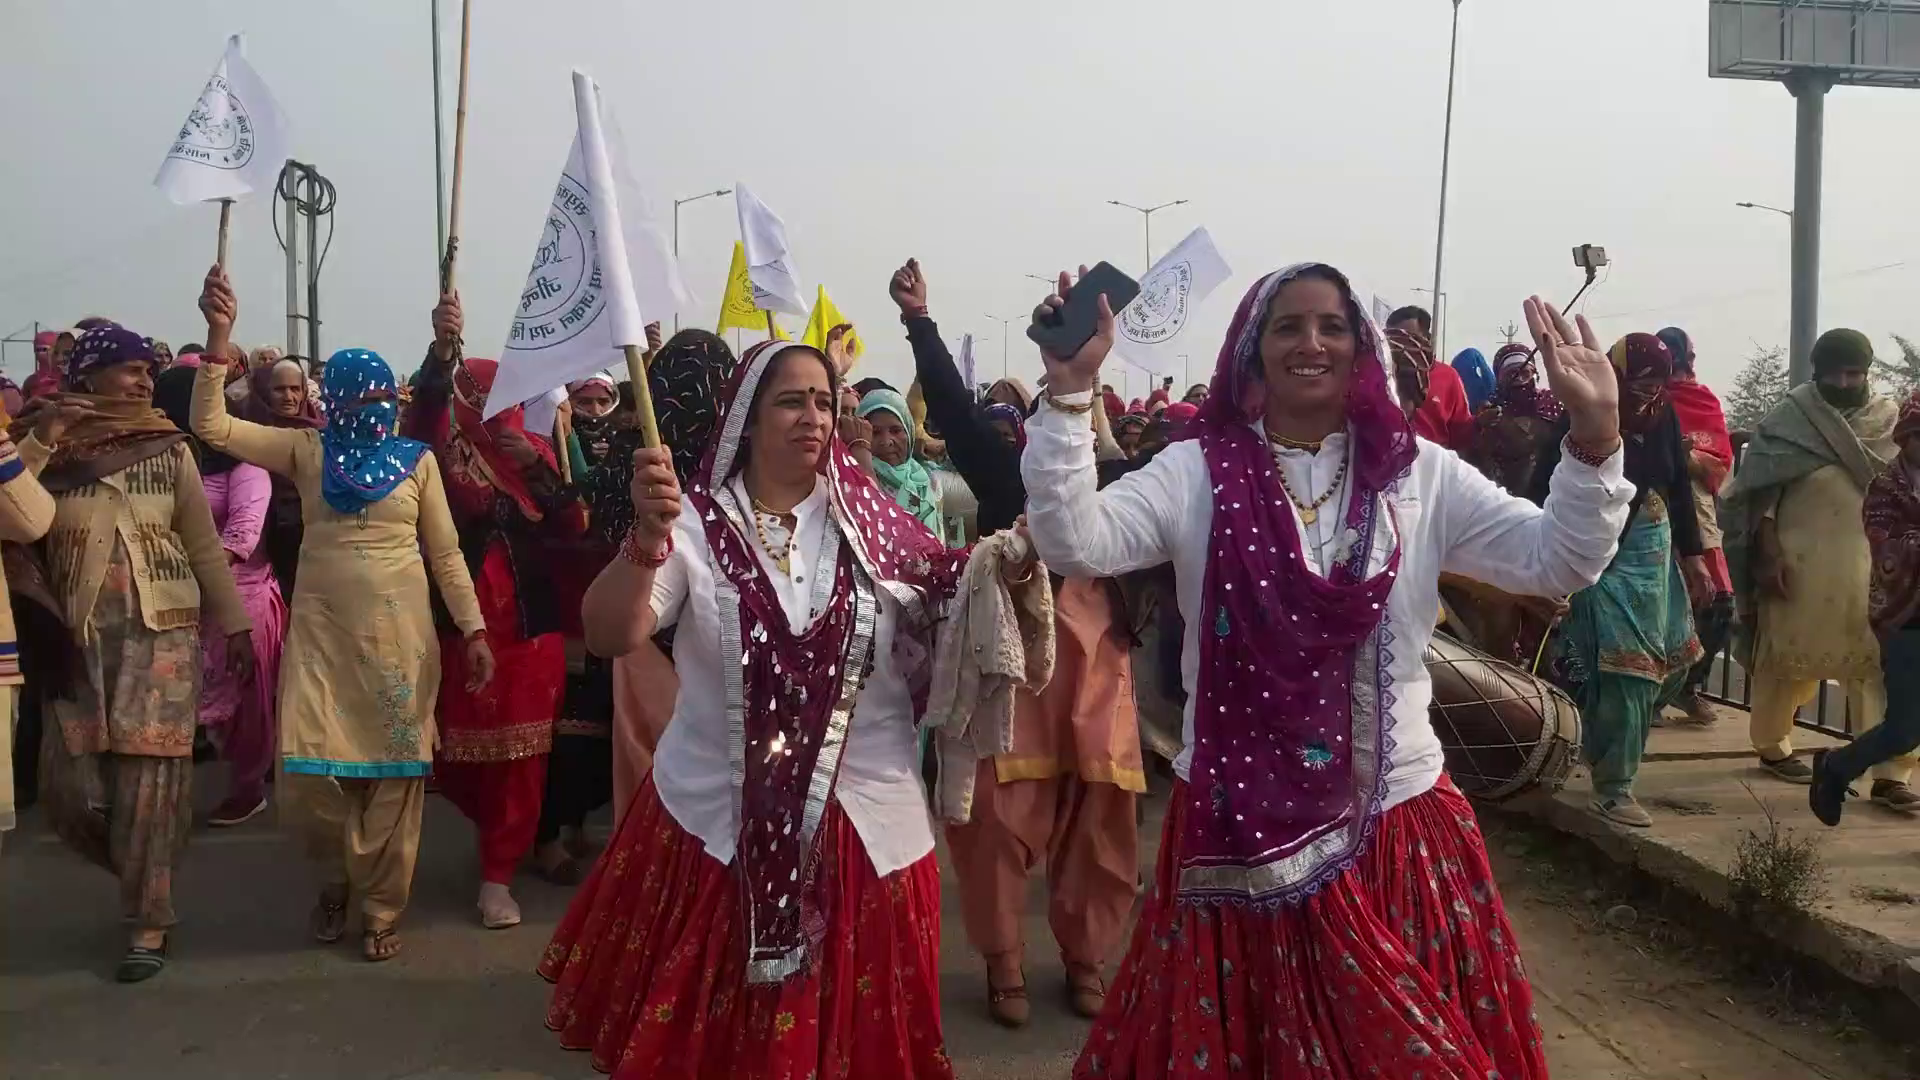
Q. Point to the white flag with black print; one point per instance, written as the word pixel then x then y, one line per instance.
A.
pixel 1155 329
pixel 234 140
pixel 589 293
pixel 776 283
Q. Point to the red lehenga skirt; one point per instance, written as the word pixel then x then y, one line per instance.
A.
pixel 649 966
pixel 1404 966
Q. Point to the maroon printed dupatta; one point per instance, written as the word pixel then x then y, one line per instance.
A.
pixel 790 694
pixel 1290 720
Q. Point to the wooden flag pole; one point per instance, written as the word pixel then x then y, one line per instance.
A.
pixel 226 226
pixel 642 395
pixel 772 333
pixel 459 151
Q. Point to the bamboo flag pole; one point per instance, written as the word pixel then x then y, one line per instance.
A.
pixel 226 226
pixel 459 151
pixel 637 362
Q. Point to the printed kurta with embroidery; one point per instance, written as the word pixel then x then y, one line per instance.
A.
pixel 361 667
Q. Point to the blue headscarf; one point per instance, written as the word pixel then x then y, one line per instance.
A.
pixel 1476 374
pixel 364 459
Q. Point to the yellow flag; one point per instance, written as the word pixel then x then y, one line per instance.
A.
pixel 824 318
pixel 737 308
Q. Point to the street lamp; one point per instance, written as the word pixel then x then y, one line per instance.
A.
pixel 1764 206
pixel 1146 215
pixel 1006 325
pixel 1439 312
pixel 1446 150
pixel 677 204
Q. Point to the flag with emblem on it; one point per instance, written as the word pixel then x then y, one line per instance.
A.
pixel 234 140
pixel 737 309
pixel 601 271
pixel 1157 327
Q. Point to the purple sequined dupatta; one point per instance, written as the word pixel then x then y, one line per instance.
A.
pixel 1291 711
pixel 790 692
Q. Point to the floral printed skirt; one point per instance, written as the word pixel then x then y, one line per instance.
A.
pixel 649 966
pixel 1404 966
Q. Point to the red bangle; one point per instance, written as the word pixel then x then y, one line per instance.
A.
pixel 477 635
pixel 1585 456
pixel 631 551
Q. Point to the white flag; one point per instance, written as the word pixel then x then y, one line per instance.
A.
pixel 776 284
pixel 1381 309
pixel 1153 329
pixel 966 362
pixel 234 141
pixel 590 291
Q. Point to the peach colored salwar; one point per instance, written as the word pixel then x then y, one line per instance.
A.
pixel 1065 793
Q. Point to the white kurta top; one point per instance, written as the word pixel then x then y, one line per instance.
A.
pixel 1449 516
pixel 878 787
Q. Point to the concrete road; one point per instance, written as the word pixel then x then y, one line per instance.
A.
pixel 248 997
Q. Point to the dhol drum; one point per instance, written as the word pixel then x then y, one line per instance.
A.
pixel 1504 731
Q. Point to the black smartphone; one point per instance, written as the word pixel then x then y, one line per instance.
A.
pixel 1070 327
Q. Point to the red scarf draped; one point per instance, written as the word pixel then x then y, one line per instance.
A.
pixel 475 458
pixel 1703 422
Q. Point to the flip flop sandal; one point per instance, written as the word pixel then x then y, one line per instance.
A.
pixel 328 921
pixel 373 945
pixel 140 964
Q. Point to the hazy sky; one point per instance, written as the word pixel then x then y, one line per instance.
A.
pixel 983 138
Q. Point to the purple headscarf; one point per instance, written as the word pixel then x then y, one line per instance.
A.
pixel 1290 716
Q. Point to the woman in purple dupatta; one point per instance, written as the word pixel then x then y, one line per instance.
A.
pixel 770 905
pixel 1323 905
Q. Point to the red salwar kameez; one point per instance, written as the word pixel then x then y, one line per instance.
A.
pixel 491 755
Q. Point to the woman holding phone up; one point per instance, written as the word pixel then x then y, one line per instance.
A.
pixel 1322 895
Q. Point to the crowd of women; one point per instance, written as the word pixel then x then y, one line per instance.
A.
pixel 826 617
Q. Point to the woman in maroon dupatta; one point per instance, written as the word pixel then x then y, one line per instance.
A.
pixel 1323 907
pixel 770 906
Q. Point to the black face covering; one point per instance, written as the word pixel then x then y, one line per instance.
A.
pixel 1843 397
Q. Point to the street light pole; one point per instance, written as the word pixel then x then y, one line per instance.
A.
pixel 677 204
pixel 1439 313
pixel 1146 214
pixel 1006 326
pixel 1446 152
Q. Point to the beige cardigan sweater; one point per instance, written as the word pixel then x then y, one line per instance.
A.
pixel 159 511
pixel 26 513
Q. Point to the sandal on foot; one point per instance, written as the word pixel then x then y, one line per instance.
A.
pixel 1008 1005
pixel 1086 991
pixel 141 963
pixel 329 919
pixel 380 945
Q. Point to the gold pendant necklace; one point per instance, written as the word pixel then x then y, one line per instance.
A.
pixel 783 557
pixel 1309 512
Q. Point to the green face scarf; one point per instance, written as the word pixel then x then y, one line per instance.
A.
pixel 1843 397
pixel 910 482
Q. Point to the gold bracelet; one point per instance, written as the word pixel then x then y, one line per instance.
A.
pixel 1070 410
